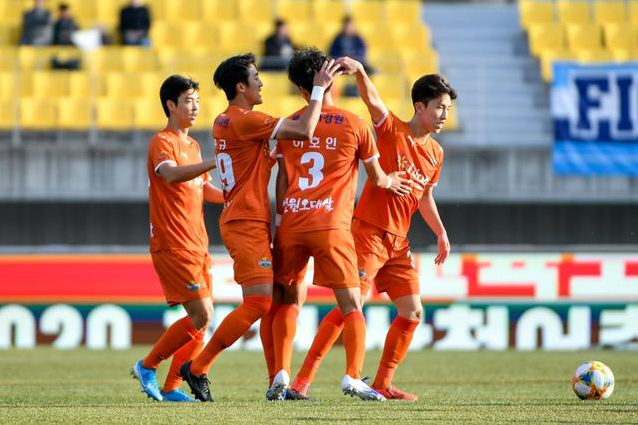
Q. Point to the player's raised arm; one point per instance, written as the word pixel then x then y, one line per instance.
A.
pixel 367 90
pixel 173 173
pixel 430 213
pixel 304 127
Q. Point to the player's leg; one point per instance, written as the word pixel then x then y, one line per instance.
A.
pixel 176 271
pixel 266 334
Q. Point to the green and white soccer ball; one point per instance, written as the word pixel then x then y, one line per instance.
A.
pixel 593 381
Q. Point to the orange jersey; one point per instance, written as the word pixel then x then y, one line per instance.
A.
pixel 177 210
pixel 241 146
pixel 399 151
pixel 322 172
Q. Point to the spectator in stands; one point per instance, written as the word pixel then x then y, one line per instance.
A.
pixel 36 26
pixel 135 22
pixel 278 48
pixel 349 43
pixel 64 27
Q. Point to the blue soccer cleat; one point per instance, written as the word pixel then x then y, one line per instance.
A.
pixel 147 380
pixel 357 387
pixel 177 396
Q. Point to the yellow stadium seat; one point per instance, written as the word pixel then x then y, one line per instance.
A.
pixel 327 11
pixel 354 105
pixel 75 113
pixel 418 64
pixel 149 114
pixel 545 36
pixel 158 9
pixel 275 84
pixel 38 114
pixel 391 86
pixel 548 57
pixel 624 55
pixel 11 11
pixel 170 34
pixel 610 12
pixel 209 108
pixel 585 36
pixel 9 34
pixel 220 10
pixel 106 59
pixel 452 122
pixel 183 10
pixel 8 113
pixel 8 85
pixel 377 35
pixel 282 106
pixel 124 85
pixel 84 10
pixel 9 55
pixel 242 37
pixel 292 10
pixel 107 13
pixel 620 36
pixel 402 108
pixel 114 114
pixel 573 11
pixel 82 84
pixel 256 11
pixel 49 84
pixel 403 11
pixel 533 12
pixel 386 61
pixel 411 36
pixel 633 11
pixel 593 55
pixel 135 59
pixel 305 34
pixel 150 85
pixel 367 11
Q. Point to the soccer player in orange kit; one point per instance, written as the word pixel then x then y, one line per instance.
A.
pixel 242 136
pixel 316 187
pixel 381 223
pixel 178 186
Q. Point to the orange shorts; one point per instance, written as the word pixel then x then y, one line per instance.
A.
pixel 184 275
pixel 248 243
pixel 385 258
pixel 332 250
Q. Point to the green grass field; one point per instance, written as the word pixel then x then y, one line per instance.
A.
pixel 45 385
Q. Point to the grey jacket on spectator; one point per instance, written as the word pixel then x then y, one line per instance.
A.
pixel 37 27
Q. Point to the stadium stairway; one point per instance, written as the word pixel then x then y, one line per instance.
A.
pixel 483 53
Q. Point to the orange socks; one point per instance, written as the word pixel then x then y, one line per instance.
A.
pixel 396 346
pixel 181 356
pixel 284 329
pixel 354 340
pixel 178 334
pixel 329 330
pixel 230 330
pixel 265 333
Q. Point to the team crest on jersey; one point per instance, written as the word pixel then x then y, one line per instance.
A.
pixel 193 286
pixel 363 276
pixel 265 262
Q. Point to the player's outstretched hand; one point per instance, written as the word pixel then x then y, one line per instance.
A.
pixel 401 186
pixel 348 65
pixel 444 249
pixel 329 70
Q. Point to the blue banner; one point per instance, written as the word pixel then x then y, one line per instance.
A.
pixel 595 115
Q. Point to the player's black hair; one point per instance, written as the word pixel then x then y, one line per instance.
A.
pixel 173 87
pixel 303 66
pixel 232 71
pixel 430 87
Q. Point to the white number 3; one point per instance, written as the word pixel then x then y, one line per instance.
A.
pixel 315 170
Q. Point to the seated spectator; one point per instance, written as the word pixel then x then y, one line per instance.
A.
pixel 36 26
pixel 349 43
pixel 135 22
pixel 278 48
pixel 64 27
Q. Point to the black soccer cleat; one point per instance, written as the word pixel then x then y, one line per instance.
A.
pixel 198 384
pixel 292 394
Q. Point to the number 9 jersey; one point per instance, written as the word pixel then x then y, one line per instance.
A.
pixel 322 172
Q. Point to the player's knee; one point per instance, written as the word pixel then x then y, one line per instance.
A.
pixel 201 320
pixel 259 305
pixel 414 313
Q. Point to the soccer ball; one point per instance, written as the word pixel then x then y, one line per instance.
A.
pixel 593 381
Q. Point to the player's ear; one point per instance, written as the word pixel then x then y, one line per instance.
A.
pixel 240 88
pixel 171 105
pixel 419 107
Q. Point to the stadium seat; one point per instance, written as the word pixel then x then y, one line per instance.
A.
pixel 135 59
pixel 242 37
pixel 106 59
pixel 75 113
pixel 534 12
pixel 8 85
pixel 38 114
pixel 124 85
pixel 367 11
pixel 411 36
pixel 293 10
pixel 282 106
pixel 11 11
pixel 9 34
pixel 214 11
pixel 585 36
pixel 209 108
pixel 255 11
pixel 275 84
pixel 548 57
pixel 114 114
pixel 633 12
pixel 149 114
pixel 573 11
pixel 593 55
pixel 545 36
pixel 624 55
pixel 183 10
pixel 403 11
pixel 49 84
pixel 610 12
pixel 354 105
pixel 377 35
pixel 158 9
pixel 452 119
pixel 8 114
pixel 9 55
pixel 619 36
pixel 85 10
pixel 391 86
pixel 305 34
pixel 386 61
pixel 151 83
pixel 327 11
pixel 107 13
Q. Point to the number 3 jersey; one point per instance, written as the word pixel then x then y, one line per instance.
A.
pixel 322 172
pixel 243 163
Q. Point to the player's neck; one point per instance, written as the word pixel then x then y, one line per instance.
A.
pixel 417 130
pixel 241 102
pixel 327 99
pixel 175 128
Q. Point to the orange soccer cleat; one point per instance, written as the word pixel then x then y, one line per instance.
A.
pixel 393 393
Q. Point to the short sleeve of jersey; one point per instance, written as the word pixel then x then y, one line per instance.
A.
pixel 257 125
pixel 161 151
pixel 439 163
pixel 385 125
pixel 367 147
